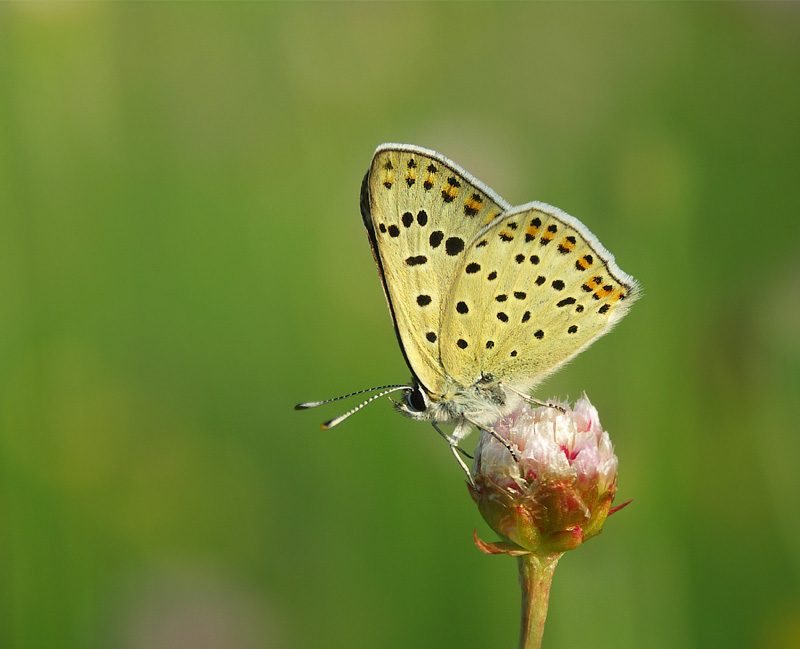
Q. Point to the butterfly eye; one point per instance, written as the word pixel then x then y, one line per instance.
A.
pixel 415 400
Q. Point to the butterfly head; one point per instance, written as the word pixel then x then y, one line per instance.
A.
pixel 415 403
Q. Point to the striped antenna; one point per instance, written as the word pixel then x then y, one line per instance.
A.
pixel 385 389
pixel 314 404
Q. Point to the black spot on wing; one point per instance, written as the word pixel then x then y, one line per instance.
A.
pixel 472 268
pixel 453 246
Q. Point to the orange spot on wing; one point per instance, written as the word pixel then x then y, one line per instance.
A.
pixel 472 204
pixel 592 284
pixel 490 217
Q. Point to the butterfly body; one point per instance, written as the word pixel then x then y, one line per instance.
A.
pixel 479 404
pixel 486 299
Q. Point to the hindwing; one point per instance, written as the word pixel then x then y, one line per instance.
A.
pixel 534 288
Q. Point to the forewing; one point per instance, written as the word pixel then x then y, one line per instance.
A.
pixel 421 210
pixel 533 289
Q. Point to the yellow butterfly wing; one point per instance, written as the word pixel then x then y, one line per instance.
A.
pixel 421 212
pixel 534 289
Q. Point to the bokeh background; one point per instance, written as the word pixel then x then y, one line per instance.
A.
pixel 182 260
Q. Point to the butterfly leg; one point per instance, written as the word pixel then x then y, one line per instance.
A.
pixel 456 449
pixel 504 442
pixel 453 441
pixel 532 400
pixel 494 434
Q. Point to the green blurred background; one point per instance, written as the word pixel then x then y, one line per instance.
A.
pixel 182 260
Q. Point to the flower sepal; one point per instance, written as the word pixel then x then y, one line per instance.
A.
pixel 501 547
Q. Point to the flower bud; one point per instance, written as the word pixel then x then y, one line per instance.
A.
pixel 557 492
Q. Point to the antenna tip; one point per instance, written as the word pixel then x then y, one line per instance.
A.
pixel 304 406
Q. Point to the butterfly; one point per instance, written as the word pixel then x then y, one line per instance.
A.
pixel 486 299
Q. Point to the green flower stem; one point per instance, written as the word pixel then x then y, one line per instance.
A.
pixel 535 577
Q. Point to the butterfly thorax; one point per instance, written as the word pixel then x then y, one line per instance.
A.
pixel 481 403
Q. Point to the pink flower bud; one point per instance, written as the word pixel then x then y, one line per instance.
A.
pixel 558 491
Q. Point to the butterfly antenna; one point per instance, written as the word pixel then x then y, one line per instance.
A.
pixel 385 389
pixel 314 404
pixel 338 420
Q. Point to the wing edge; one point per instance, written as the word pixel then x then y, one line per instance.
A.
pixel 503 204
